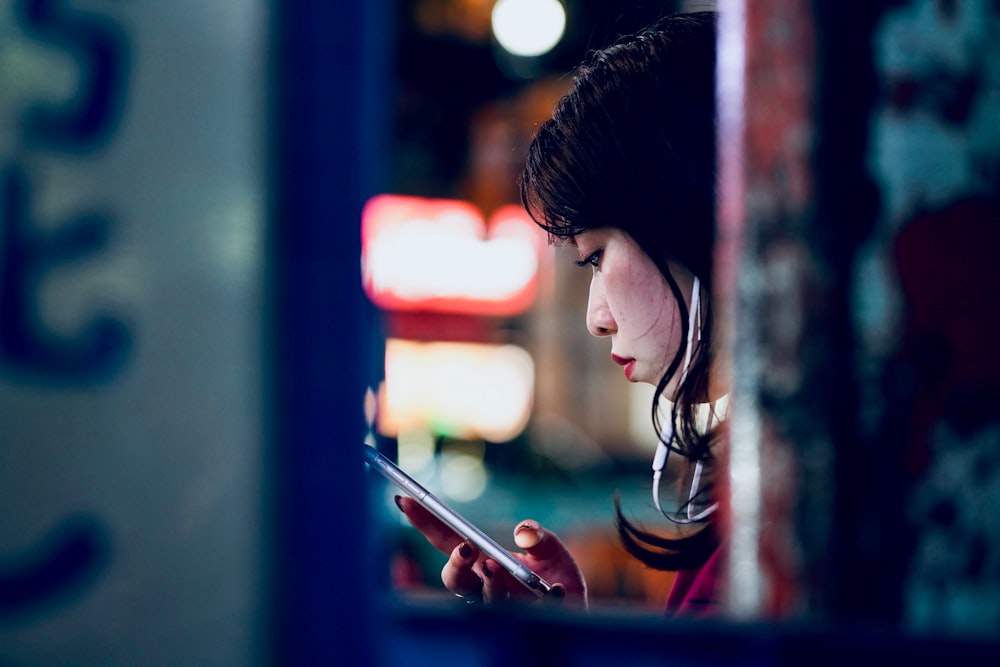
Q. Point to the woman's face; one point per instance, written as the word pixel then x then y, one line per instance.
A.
pixel 631 302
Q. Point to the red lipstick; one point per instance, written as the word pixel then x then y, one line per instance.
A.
pixel 629 365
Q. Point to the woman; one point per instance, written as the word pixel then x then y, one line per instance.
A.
pixel 624 172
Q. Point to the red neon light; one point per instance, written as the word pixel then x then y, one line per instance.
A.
pixel 439 255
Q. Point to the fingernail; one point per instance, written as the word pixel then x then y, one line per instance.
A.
pixel 399 502
pixel 557 592
pixel 487 571
pixel 527 535
pixel 465 550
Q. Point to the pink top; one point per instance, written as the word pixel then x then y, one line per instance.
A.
pixel 695 593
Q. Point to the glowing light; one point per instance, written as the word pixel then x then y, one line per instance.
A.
pixel 528 27
pixel 416 450
pixel 463 477
pixel 436 256
pixel 462 390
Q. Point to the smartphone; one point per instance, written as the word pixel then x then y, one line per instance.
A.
pixel 456 522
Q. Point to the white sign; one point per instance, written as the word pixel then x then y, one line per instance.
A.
pixel 131 214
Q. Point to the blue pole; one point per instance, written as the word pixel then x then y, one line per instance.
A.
pixel 325 159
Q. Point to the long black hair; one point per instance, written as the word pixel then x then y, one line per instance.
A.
pixel 632 146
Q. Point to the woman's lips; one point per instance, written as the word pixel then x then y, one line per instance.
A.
pixel 629 365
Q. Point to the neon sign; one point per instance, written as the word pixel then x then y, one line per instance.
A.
pixel 462 390
pixel 439 255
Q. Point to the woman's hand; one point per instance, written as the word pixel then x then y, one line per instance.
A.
pixel 469 574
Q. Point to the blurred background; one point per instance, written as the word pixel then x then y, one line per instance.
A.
pixel 238 237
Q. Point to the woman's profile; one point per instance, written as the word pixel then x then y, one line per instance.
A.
pixel 624 174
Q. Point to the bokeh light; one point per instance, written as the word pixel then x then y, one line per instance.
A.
pixel 528 27
pixel 459 390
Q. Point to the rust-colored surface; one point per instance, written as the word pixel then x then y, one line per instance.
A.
pixel 775 291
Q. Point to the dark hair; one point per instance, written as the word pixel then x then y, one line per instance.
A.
pixel 632 146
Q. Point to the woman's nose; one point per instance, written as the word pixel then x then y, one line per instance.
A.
pixel 599 319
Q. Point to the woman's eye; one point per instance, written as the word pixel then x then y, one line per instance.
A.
pixel 593 259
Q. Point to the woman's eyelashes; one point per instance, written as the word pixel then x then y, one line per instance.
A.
pixel 593 259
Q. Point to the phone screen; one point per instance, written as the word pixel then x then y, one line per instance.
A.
pixel 376 461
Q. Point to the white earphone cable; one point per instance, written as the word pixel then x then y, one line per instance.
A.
pixel 667 429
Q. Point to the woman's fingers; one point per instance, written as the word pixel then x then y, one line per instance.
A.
pixel 548 556
pixel 466 575
pixel 495 582
pixel 530 536
pixel 459 575
pixel 437 533
pixel 539 543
